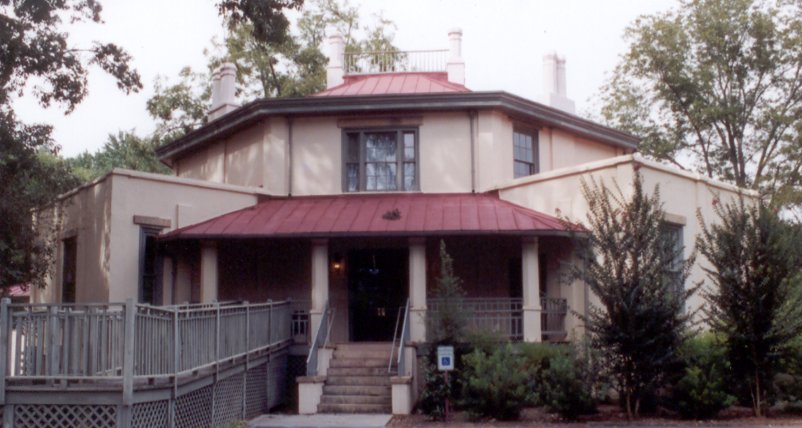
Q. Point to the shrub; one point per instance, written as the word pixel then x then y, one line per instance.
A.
pixel 537 358
pixel 495 384
pixel 432 399
pixel 701 391
pixel 566 385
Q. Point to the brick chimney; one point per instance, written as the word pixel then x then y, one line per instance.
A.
pixel 456 65
pixel 336 53
pixel 554 92
pixel 224 91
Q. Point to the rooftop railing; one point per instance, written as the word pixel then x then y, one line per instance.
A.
pixel 396 61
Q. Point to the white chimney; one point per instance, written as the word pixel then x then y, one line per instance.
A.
pixel 224 91
pixel 554 87
pixel 336 68
pixel 456 65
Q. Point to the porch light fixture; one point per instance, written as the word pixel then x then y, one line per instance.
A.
pixel 337 263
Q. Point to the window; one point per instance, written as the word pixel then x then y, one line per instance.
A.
pixel 524 144
pixel 69 268
pixel 672 237
pixel 380 160
pixel 149 284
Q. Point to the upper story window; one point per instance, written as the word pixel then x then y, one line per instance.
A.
pixel 380 160
pixel 525 156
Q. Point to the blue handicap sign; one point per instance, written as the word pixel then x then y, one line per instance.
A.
pixel 445 358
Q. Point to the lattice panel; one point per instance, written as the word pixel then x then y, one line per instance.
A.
pixel 256 391
pixel 194 410
pixel 154 414
pixel 228 400
pixel 277 378
pixel 64 416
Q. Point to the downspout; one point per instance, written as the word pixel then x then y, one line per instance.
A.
pixel 289 156
pixel 472 118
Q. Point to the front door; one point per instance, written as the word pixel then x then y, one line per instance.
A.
pixel 377 289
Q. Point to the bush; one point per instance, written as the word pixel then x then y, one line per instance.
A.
pixel 701 391
pixel 495 384
pixel 566 386
pixel 537 358
pixel 432 399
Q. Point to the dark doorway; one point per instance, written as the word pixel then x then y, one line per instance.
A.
pixel 377 288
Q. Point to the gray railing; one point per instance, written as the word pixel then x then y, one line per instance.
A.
pixel 504 316
pixel 395 61
pixel 402 338
pixel 77 342
pixel 321 339
pixel 552 318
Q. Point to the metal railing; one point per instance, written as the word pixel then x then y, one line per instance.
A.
pixel 395 61
pixel 80 342
pixel 504 316
pixel 552 318
pixel 321 339
pixel 401 363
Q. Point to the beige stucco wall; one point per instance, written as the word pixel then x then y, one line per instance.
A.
pixel 559 193
pixel 101 216
pixel 261 155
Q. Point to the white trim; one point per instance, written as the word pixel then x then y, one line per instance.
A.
pixel 620 160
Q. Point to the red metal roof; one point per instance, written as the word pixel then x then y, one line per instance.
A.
pixel 400 214
pixel 394 83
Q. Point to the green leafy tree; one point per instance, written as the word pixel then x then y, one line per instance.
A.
pixel 124 150
pixel 755 301
pixel 447 324
pixel 640 320
pixel 269 64
pixel 715 86
pixel 37 57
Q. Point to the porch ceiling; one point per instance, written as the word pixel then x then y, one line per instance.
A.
pixel 397 214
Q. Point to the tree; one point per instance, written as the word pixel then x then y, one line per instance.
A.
pixel 278 66
pixel 640 320
pixel 37 56
pixel 124 150
pixel 756 298
pixel 447 323
pixel 716 87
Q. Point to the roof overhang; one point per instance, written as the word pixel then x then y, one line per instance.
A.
pixel 255 111
pixel 378 215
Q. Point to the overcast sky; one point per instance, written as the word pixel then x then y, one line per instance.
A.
pixel 503 45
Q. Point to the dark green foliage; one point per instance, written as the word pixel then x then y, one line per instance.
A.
pixel 124 150
pixel 495 384
pixel 435 391
pixel 35 43
pixel 640 320
pixel 447 325
pixel 755 302
pixel 567 385
pixel 713 85
pixel 702 391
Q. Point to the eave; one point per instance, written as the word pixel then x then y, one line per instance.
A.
pixel 256 111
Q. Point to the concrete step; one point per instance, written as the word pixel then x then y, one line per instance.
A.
pixel 355 399
pixel 358 371
pixel 358 362
pixel 383 390
pixel 358 380
pixel 353 352
pixel 354 408
pixel 365 345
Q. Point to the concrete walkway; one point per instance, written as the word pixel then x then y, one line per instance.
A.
pixel 320 420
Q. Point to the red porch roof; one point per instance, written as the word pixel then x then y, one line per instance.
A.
pixel 394 83
pixel 399 214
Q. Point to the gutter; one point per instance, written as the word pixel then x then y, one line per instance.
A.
pixel 360 105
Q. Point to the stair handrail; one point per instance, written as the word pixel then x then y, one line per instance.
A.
pixel 402 361
pixel 321 337
pixel 395 337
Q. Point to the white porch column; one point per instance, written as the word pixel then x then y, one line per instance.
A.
pixel 531 292
pixel 417 290
pixel 208 274
pixel 320 281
